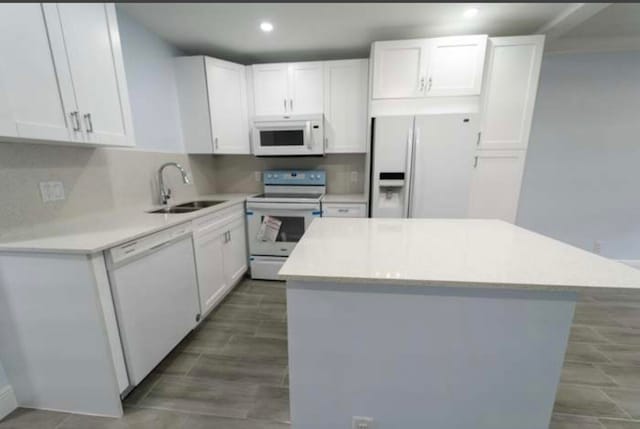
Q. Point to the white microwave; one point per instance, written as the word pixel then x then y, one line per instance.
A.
pixel 288 136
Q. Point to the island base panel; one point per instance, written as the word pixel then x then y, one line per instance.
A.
pixel 428 357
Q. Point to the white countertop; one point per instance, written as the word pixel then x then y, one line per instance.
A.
pixel 345 198
pixel 94 233
pixel 447 252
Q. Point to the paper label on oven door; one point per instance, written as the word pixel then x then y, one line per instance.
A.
pixel 269 229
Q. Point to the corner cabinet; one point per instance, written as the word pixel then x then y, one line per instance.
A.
pixel 417 68
pixel 221 254
pixel 345 106
pixel 288 88
pixel 212 94
pixel 63 74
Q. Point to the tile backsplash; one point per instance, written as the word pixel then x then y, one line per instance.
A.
pixel 105 179
pixel 94 179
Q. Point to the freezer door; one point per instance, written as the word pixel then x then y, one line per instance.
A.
pixel 444 149
pixel 393 136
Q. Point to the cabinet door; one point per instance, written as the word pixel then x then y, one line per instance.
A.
pixel 235 252
pixel 495 185
pixel 456 65
pixel 306 88
pixel 95 58
pixel 399 68
pixel 270 90
pixel 345 106
pixel 210 249
pixel 33 105
pixel 228 106
pixel 510 90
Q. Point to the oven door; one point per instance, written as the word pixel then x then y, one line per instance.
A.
pixel 295 218
pixel 282 138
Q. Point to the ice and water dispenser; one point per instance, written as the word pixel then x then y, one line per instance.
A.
pixel 390 195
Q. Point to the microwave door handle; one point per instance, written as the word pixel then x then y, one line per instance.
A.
pixel 309 138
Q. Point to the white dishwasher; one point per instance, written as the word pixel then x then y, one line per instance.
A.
pixel 155 292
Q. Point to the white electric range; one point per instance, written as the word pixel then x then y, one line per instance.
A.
pixel 293 198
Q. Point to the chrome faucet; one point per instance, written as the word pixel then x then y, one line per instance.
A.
pixel 165 193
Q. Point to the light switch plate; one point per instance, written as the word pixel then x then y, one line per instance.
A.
pixel 52 191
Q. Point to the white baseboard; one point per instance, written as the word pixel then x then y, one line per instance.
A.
pixel 8 402
pixel 635 263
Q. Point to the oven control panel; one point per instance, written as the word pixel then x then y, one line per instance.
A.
pixel 295 177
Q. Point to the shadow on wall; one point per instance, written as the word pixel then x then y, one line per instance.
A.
pixel 581 177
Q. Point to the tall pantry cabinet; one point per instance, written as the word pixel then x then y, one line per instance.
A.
pixel 509 93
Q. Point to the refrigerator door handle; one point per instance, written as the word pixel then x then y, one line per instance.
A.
pixel 412 144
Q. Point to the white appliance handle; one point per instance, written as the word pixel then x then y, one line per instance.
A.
pixel 413 140
pixel 288 207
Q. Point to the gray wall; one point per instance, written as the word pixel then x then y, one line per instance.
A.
pixel 583 165
pixel 151 81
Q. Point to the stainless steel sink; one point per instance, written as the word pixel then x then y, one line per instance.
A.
pixel 199 204
pixel 189 207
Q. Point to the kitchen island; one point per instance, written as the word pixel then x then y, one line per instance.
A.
pixel 432 323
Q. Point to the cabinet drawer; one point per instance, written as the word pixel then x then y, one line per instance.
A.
pixel 218 219
pixel 344 210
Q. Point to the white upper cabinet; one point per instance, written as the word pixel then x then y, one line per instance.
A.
pixel 63 73
pixel 228 105
pixel 93 50
pixel 288 88
pixel 270 89
pixel 213 105
pixel 345 106
pixel 511 85
pixel 31 103
pixel 400 68
pixel 445 66
pixel 305 88
pixel 456 65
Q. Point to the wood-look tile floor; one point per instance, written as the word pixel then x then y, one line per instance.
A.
pixel 231 373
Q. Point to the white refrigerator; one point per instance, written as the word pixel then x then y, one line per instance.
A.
pixel 422 165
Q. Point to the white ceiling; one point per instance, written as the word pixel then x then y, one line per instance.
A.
pixel 617 20
pixel 326 30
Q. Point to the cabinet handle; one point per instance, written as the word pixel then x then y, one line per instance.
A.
pixel 478 141
pixel 421 84
pixel 285 104
pixel 89 123
pixel 215 143
pixel 430 83
pixel 76 121
pixel 475 162
pixel 343 210
pixel 291 104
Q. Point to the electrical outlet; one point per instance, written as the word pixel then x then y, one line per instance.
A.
pixel 354 177
pixel 257 175
pixel 362 423
pixel 52 191
pixel 597 247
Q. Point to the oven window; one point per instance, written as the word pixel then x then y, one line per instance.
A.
pixel 282 138
pixel 291 230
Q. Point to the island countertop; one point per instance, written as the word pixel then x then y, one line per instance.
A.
pixel 447 252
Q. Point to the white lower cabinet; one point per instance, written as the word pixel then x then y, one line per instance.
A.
pixel 344 210
pixel 495 184
pixel 221 256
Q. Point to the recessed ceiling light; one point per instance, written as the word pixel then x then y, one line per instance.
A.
pixel 267 27
pixel 471 12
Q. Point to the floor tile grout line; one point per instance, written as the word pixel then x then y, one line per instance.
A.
pixel 615 403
